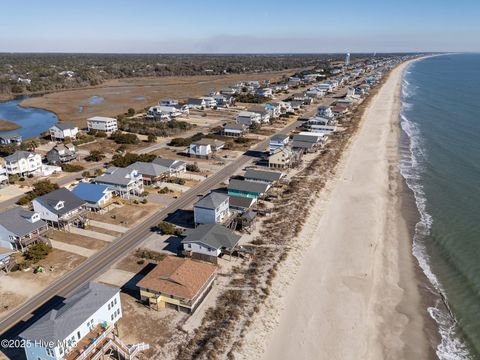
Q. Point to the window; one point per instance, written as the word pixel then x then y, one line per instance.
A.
pixel 115 301
pixel 78 335
pixel 108 306
pixel 50 352
pixel 111 317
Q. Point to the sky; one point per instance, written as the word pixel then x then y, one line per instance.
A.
pixel 246 26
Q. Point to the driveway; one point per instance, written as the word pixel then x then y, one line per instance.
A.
pixel 107 226
pixel 74 249
pixel 93 234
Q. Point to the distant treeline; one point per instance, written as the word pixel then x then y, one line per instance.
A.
pixel 36 73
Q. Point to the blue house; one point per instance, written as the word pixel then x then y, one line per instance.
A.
pixel 248 189
pixel 96 196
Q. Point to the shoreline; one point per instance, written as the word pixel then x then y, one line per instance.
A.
pixel 375 308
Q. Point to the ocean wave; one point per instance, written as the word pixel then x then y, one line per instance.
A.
pixel 411 168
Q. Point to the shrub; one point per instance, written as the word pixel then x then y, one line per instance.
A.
pixel 72 167
pixel 164 190
pixel 130 158
pixel 124 138
pixel 83 139
pixel 131 112
pixel 86 174
pixel 37 252
pixel 242 140
pixel 95 155
pixel 176 180
pixel 193 167
pixel 144 201
pixel 167 228
pixel 151 138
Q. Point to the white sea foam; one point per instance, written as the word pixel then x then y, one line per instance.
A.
pixel 411 168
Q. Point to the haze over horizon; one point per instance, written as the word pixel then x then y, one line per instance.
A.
pixel 148 26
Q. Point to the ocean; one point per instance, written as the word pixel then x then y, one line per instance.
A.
pixel 441 165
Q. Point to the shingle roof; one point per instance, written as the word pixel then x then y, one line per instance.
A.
pixel 241 202
pixel 180 277
pixel 213 235
pixel 16 221
pixel 302 144
pixel 279 137
pixel 17 155
pixel 168 163
pixel 249 186
pixel 212 200
pixel 148 169
pixel 71 201
pixel 91 193
pixel 307 138
pixel 115 176
pixel 270 176
pixel 57 324
pixel 64 125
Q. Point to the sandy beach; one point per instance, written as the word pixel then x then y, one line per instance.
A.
pixel 350 290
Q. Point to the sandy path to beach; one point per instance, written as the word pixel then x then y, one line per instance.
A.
pixel 353 292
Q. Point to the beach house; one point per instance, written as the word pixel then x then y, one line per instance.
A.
pixel 124 182
pixel 264 113
pixel 10 139
pixel 168 102
pixel 278 141
pixel 204 148
pixel 60 208
pixel 213 208
pixel 61 153
pixel 209 241
pixel 284 158
pixel 96 196
pixel 247 189
pixel 81 327
pixel 172 166
pixel 152 174
pixel 234 130
pixel 307 142
pixel 177 283
pixel 102 123
pixel 23 163
pixel 20 228
pixel 248 118
pixel 262 176
pixel 3 172
pixel 63 130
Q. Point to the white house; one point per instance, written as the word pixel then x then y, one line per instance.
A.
pixel 211 209
pixel 80 327
pixel 163 112
pixel 60 131
pixel 248 118
pixel 204 148
pixel 278 141
pixel 122 181
pixel 23 163
pixel 102 123
pixel 325 111
pixel 96 196
pixel 3 172
pixel 265 92
pixel 208 241
pixel 210 102
pixel 60 207
pixel 171 166
pixel 19 228
pixel 168 102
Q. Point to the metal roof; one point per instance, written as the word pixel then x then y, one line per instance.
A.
pixel 91 193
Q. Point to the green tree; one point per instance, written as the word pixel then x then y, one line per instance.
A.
pixel 95 155
pixel 131 112
pixel 151 138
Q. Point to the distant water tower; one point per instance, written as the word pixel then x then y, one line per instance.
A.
pixel 347 59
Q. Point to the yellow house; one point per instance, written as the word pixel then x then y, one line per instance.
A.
pixel 177 283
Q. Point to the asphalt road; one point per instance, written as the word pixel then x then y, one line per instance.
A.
pixel 102 260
